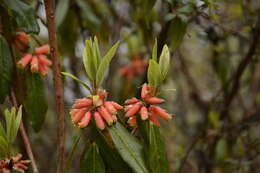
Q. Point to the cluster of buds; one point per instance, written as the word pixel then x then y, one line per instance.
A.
pixel 38 61
pixel 97 106
pixel 21 40
pixel 15 163
pixel 146 107
pixel 137 67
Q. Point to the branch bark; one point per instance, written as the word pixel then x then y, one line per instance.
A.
pixel 25 137
pixel 49 9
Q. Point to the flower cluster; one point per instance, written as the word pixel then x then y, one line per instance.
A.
pixel 137 67
pixel 97 106
pixel 15 163
pixel 146 107
pixel 38 61
pixel 21 40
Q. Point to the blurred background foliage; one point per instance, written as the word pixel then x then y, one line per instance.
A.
pixel 215 70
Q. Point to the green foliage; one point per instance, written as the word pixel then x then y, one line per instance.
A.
pixel 61 12
pixel 24 15
pixel 105 63
pixel 76 79
pixel 157 71
pixel 178 30
pixel 6 69
pixel 35 103
pixel 95 66
pixel 128 147
pixel 110 156
pixel 8 134
pixel 92 161
pixel 155 150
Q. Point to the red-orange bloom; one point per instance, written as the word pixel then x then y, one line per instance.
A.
pixel 96 105
pixel 21 40
pixel 146 107
pixel 13 164
pixel 39 62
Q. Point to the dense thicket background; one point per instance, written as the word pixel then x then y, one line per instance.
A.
pixel 215 70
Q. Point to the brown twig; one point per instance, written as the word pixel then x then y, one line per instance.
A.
pixel 25 137
pixel 49 8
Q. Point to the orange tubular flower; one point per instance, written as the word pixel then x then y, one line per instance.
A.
pixel 39 62
pixel 21 40
pixel 146 107
pixel 14 164
pixel 95 105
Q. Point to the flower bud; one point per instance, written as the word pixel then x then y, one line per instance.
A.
pixel 111 109
pixel 25 60
pixel 154 119
pixel 34 64
pixel 144 113
pixel 99 121
pixel 132 121
pixel 131 101
pixel 85 120
pixel 105 114
pixel 161 112
pixel 83 103
pixel 44 60
pixel 45 49
pixel 133 110
pixel 79 115
pixel 154 100
pixel 116 105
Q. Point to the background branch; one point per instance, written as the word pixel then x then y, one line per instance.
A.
pixel 49 8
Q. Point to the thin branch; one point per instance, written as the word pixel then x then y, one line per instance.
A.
pixel 25 137
pixel 49 8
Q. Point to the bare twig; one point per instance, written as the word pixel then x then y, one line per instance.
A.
pixel 25 137
pixel 49 8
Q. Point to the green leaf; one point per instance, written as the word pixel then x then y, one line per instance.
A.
pixel 92 162
pixel 71 154
pixel 2 131
pixel 6 69
pixel 154 74
pixel 90 19
pixel 128 147
pixel 105 63
pixel 154 55
pixel 89 60
pixel 164 61
pixel 8 121
pixel 76 79
pixel 157 157
pixel 35 103
pixel 97 51
pixel 178 30
pixel 3 144
pixel 221 150
pixel 17 122
pixel 24 15
pixel 61 12
pixel 110 156
pixel 155 150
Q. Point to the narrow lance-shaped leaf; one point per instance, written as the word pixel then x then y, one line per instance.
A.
pixel 154 55
pixel 164 61
pixel 2 131
pixel 6 69
pixel 24 15
pixel 155 150
pixel 92 162
pixel 17 122
pixel 154 74
pixel 105 63
pixel 35 103
pixel 97 51
pixel 178 30
pixel 128 147
pixel 61 12
pixel 110 156
pixel 89 60
pixel 76 79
